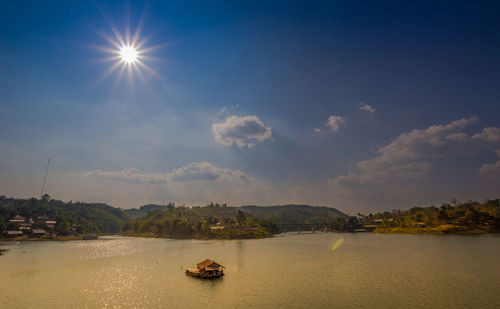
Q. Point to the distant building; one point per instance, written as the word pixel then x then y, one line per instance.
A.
pixel 51 224
pixel 217 227
pixel 39 232
pixel 18 219
pixel 14 233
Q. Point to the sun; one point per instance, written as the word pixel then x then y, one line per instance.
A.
pixel 128 54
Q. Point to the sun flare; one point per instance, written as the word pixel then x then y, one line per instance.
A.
pixel 128 54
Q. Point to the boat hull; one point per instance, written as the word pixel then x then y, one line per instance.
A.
pixel 197 274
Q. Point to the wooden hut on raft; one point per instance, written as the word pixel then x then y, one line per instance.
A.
pixel 206 269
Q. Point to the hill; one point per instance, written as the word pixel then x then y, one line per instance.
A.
pixel 70 217
pixel 291 214
pixel 206 222
pixel 142 211
pixel 469 217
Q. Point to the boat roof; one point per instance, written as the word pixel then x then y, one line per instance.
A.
pixel 209 262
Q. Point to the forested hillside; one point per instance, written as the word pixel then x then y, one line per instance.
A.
pixel 225 222
pixel 84 217
pixel 291 214
pixel 143 210
pixel 471 217
pixel 211 221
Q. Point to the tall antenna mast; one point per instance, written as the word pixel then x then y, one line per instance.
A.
pixel 45 177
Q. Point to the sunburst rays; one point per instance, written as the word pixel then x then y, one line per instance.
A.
pixel 128 54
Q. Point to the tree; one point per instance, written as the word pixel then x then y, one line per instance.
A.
pixel 352 223
pixel 241 217
pixel 198 226
pixel 64 228
pixel 205 228
pixel 11 226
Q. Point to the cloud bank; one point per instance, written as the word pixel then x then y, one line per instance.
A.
pixel 242 131
pixel 410 156
pixel 202 171
pixel 195 183
pixel 129 175
pixel 491 170
pixel 206 171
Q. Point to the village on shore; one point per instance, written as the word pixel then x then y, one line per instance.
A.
pixel 49 219
pixel 33 227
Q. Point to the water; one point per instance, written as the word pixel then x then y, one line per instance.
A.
pixel 293 271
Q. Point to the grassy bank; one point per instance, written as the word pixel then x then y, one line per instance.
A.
pixel 441 229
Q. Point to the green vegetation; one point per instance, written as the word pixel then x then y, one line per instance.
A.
pixel 135 213
pixel 470 217
pixel 292 214
pixel 70 217
pixel 68 220
pixel 213 221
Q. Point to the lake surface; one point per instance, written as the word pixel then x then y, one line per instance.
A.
pixel 291 271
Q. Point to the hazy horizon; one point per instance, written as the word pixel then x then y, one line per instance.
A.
pixel 357 107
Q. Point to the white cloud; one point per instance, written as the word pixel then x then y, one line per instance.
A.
pixel 408 156
pixel 194 184
pixel 366 108
pixel 206 171
pixel 317 130
pixel 130 175
pixel 242 131
pixel 491 169
pixel 202 171
pixel 489 134
pixel 334 122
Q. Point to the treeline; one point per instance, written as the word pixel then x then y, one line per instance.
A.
pixel 205 222
pixel 135 213
pixel 83 217
pixel 292 214
pixel 225 222
pixel 454 217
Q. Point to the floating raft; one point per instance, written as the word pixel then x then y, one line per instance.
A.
pixel 207 269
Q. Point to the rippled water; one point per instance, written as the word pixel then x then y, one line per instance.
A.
pixel 293 271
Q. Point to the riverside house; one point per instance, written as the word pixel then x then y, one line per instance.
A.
pixel 14 233
pixel 18 219
pixel 38 232
pixel 51 224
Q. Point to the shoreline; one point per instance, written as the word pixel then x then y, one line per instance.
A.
pixel 46 238
pixel 439 230
pixel 381 231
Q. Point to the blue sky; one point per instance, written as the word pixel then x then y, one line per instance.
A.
pixel 362 106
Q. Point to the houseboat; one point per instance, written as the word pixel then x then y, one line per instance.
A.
pixel 206 270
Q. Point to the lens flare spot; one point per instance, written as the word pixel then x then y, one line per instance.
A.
pixel 337 244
